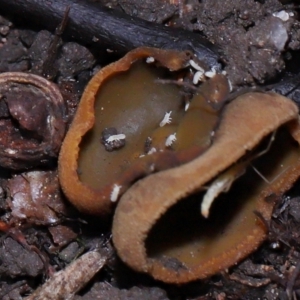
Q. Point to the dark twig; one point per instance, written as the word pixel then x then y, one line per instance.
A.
pixel 98 26
pixel 48 69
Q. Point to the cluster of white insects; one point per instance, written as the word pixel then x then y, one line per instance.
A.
pixel 223 182
pixel 167 120
pixel 199 75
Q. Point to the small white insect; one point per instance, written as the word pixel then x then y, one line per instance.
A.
pixel 196 66
pixel 115 193
pixel 166 120
pixel 275 245
pixel 187 105
pixel 116 137
pixel 211 73
pixel 150 60
pixel 198 76
pixel 170 139
pixel 152 150
pixel 220 185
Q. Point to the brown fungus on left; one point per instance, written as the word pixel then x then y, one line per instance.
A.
pixel 32 125
pixel 158 228
pixel 128 125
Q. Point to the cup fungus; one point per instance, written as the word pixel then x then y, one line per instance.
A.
pixel 129 125
pixel 32 125
pixel 158 227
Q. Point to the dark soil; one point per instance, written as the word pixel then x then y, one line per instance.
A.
pixel 256 49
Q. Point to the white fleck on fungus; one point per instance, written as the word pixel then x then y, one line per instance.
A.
pixel 150 60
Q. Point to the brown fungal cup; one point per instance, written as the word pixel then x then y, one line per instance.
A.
pixel 32 125
pixel 158 228
pixel 122 118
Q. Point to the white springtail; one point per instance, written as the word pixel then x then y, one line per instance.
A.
pixel 170 140
pixel 116 137
pixel 166 120
pixel 115 193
